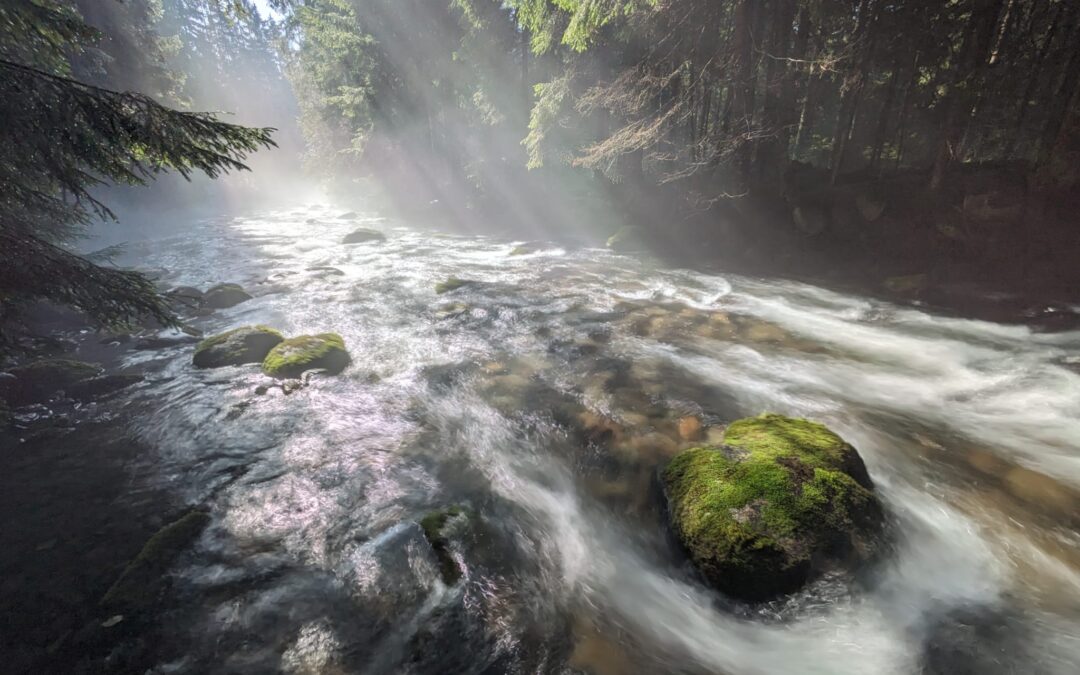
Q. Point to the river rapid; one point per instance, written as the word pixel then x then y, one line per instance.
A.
pixel 542 398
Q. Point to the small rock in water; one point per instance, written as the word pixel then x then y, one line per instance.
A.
pixel 100 386
pixel 348 215
pixel 138 586
pixel 362 235
pixel 247 344
pixel 37 381
pixel 292 357
pixel 224 296
pixel 451 284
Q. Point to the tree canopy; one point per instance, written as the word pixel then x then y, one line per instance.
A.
pixel 63 138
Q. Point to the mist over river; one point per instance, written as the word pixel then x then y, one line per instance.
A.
pixel 542 397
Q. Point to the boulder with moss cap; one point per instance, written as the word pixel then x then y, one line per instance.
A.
pixel 293 357
pixel 780 501
pixel 247 344
pixel 224 296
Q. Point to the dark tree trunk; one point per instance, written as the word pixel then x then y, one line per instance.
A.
pixel 1063 96
pixel 967 73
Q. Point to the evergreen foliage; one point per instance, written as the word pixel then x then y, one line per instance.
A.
pixel 62 139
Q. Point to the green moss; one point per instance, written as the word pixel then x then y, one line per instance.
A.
pixel 433 525
pixel 141 582
pixel 451 284
pixel 307 352
pixel 754 513
pixel 247 344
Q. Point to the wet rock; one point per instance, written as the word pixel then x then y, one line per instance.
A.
pixel 103 385
pixel 527 248
pixel 162 341
pixel 436 525
pixel 141 582
pixel 186 296
pixel 451 284
pixel 348 215
pixel 289 359
pixel 224 296
pixel 247 344
pixel 761 515
pixel 976 639
pixel 37 381
pixel 362 235
pixel 451 309
pixel 326 270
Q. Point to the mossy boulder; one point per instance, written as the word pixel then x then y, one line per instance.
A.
pixel 94 387
pixel 452 284
pixel 527 248
pixel 247 344
pixel 780 501
pixel 224 296
pixel 141 582
pixel 37 381
pixel 291 358
pixel 435 525
pixel 363 234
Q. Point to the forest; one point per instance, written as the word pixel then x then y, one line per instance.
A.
pixel 581 337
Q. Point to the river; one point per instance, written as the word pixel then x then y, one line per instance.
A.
pixel 313 562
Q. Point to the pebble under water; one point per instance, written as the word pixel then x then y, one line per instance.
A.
pixel 541 398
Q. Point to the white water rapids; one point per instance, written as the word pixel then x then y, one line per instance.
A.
pixel 970 431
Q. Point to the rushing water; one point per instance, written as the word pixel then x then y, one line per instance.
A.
pixel 314 563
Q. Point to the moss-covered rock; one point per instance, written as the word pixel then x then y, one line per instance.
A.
pixel 37 381
pixel 527 248
pixel 292 357
pixel 247 344
pixel 142 580
pixel 452 284
pixel 761 514
pixel 363 234
pixel 223 296
pixel 434 525
pixel 94 387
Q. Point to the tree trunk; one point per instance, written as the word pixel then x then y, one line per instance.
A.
pixel 1063 95
pixel 1033 81
pixel 852 89
pixel 742 91
pixel 883 119
pixel 967 73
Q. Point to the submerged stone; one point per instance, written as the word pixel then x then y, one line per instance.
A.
pixel 290 358
pixel 363 234
pixel 224 296
pixel 435 525
pixel 140 583
pixel 247 344
pixel 762 513
pixel 451 284
pixel 105 384
pixel 36 382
